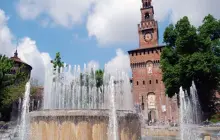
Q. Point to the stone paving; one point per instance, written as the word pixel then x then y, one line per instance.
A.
pixel 8 131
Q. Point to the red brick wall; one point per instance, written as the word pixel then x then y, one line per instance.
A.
pixel 142 86
pixel 145 83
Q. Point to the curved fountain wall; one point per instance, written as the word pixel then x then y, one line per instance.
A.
pixel 81 125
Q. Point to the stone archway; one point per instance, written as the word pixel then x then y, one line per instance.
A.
pixel 151 100
pixel 152 116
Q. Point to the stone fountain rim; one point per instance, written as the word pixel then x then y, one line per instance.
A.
pixel 83 112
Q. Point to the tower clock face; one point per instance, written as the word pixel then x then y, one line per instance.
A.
pixel 148 37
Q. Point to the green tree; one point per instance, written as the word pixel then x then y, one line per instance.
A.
pixel 57 62
pixel 192 54
pixel 99 78
pixel 5 67
pixel 12 85
pixel 35 85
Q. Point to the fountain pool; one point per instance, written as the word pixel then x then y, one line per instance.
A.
pixel 75 108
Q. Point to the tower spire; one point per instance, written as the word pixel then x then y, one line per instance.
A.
pixel 16 51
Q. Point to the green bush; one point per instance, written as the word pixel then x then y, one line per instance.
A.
pixel 215 118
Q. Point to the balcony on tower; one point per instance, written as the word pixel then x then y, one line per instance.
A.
pixel 147 25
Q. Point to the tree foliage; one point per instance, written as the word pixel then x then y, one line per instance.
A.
pixel 5 67
pixel 96 77
pixel 57 63
pixel 192 54
pixel 12 85
pixel 35 85
pixel 99 77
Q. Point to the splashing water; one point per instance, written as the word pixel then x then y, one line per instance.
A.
pixel 113 122
pixel 190 113
pixel 76 89
pixel 23 128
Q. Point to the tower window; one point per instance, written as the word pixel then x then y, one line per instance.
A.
pixel 150 82
pixel 137 83
pixel 146 4
pixel 143 82
pixel 142 104
pixel 157 81
pixel 147 16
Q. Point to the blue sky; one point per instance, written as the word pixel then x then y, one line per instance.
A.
pixel 85 31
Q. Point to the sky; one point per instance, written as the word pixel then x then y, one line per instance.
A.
pixel 93 32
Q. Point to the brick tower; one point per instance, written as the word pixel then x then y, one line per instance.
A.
pixel 148 88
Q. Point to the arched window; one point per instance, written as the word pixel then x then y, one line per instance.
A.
pixel 143 82
pixel 157 81
pixel 150 82
pixel 137 83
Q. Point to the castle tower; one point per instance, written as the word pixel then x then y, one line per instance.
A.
pixel 147 86
pixel 148 28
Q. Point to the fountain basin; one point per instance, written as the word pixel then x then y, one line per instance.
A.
pixel 82 125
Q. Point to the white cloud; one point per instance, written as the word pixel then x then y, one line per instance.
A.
pixel 6 37
pixel 120 62
pixel 29 53
pixel 114 21
pixel 46 58
pixel 27 49
pixel 196 10
pixel 62 12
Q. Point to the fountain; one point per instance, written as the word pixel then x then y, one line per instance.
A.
pixel 23 127
pixel 190 113
pixel 75 108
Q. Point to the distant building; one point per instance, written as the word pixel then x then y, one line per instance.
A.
pixel 23 67
pixel 19 64
pixel 36 100
pixel 148 88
